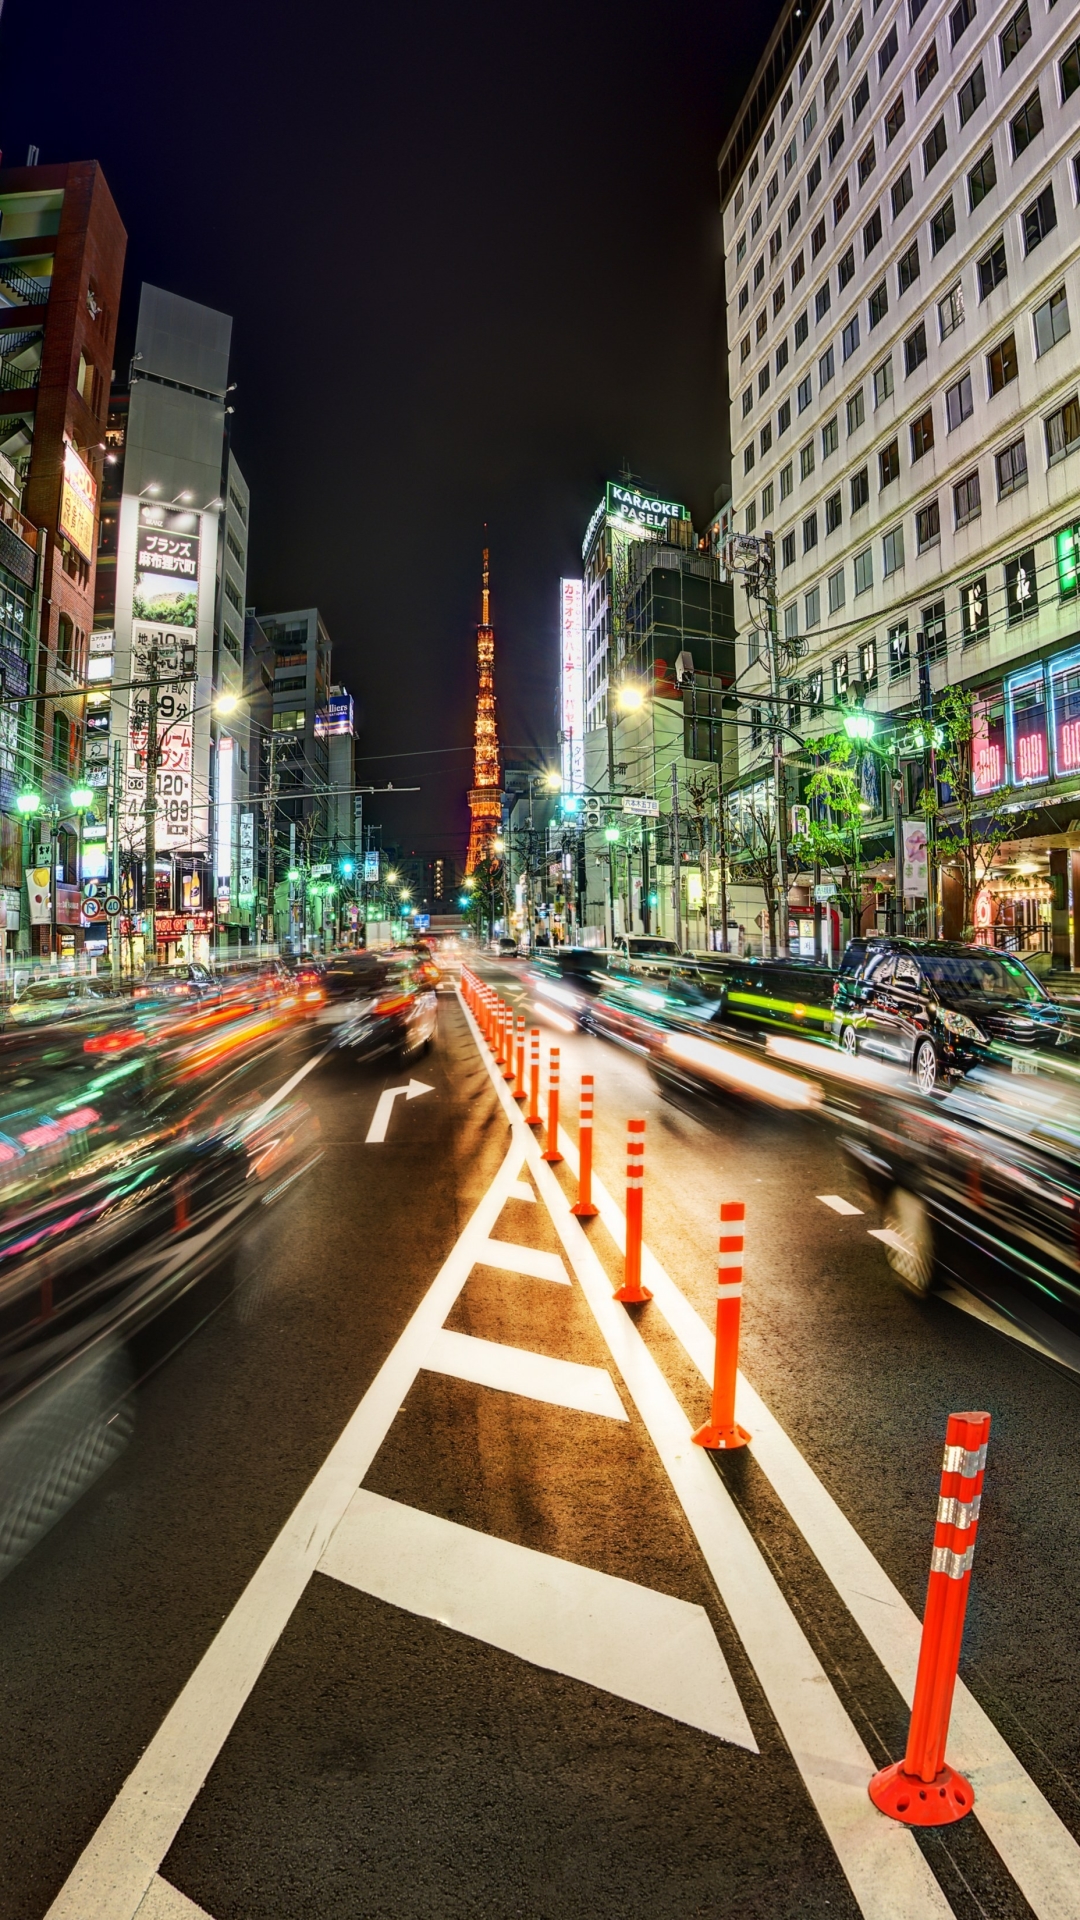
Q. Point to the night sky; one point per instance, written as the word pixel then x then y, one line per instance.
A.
pixel 473 258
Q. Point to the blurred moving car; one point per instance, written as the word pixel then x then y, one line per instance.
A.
pixel 60 999
pixel 506 947
pixel 758 997
pixel 396 1012
pixel 640 952
pixel 939 1006
pixel 568 979
pixel 184 980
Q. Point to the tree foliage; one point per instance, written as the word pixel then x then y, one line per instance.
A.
pixel 969 828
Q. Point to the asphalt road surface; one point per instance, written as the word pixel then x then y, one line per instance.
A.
pixel 409 1595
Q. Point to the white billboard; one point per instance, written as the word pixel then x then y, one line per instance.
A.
pixel 572 671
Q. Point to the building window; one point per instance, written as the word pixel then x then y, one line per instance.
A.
pixel 1063 431
pixel 822 301
pixel 933 639
pixel 894 119
pixel 960 19
pixel 836 138
pixel 845 270
pixel 751 516
pixel 826 367
pixel 860 97
pixel 899 650
pixel 958 402
pixel 883 381
pixel 802 393
pixel 860 489
pixel 1069 69
pixel 747 401
pixel 755 221
pixel 830 437
pixel 974 612
pixel 934 146
pixel 856 410
pixel 802 328
pixel 778 299
pixel 798 268
pixel 783 418
pixel 833 512
pixel 832 81
pixel 951 310
pixel 1014 35
pixel 809 532
pixel 1001 364
pixel 1011 468
pixel 740 250
pixel 967 499
pixel 761 326
pixel 759 273
pixel 813 178
pixel 907 267
pixel 787 481
pixel 825 24
pixel 770 136
pixel 1021 589
pixel 817 239
pixel 849 339
pixel 744 348
pixel 791 153
pixel 942 225
pixel 764 376
pixel 766 438
pixel 922 434
pixel 806 460
pixel 841 202
pixel 836 590
pixel 809 120
pixel 992 268
pixel 855 34
pixel 878 304
pixel 1039 219
pixel 744 296
pixel 781 357
pixel 871 233
pixel 892 551
pixel 889 464
pixel 901 193
pixel 887 52
pixel 982 177
pixel 753 173
pixel 812 608
pixel 1051 322
pixel 748 458
pixel 1026 124
pixel 928 526
pixel 863 571
pixel 738 202
pixel 766 501
pixel 926 70
pixel 915 348
pixel 805 65
pixel 793 212
pixel 787 550
pixel 774 245
pixel 972 94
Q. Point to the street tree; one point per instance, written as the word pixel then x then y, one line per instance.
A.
pixel 969 828
pixel 834 840
pixel 752 842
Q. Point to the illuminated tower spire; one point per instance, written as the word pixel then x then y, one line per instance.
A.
pixel 485 794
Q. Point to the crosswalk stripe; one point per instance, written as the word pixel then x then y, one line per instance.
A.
pixel 644 1646
pixel 561 1383
pixel 838 1204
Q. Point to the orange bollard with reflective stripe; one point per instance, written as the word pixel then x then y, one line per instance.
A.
pixel 631 1293
pixel 551 1151
pixel 519 1071
pixel 922 1789
pixel 500 1032
pixel 508 1042
pixel 532 1118
pixel 583 1206
pixel 721 1429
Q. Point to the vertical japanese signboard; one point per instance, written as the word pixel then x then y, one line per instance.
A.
pixel 572 665
pixel 78 503
pixel 163 651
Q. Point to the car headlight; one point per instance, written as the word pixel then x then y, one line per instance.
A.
pixel 961 1026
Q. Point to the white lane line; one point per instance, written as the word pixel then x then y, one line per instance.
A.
pixel 642 1645
pixel 530 1261
pixel 163 1902
pixel 838 1204
pixel 521 1190
pixel 1035 1845
pixel 262 1112
pixel 881 1860
pixel 118 1864
pixel 561 1383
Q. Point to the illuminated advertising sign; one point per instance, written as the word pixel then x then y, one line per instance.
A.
pixel 988 742
pixel 1065 708
pixel 167 566
pixel 1067 550
pixel 572 671
pixel 371 868
pixel 335 717
pixel 1025 708
pixel 163 653
pixel 646 511
pixel 224 812
pixel 915 860
pixel 78 503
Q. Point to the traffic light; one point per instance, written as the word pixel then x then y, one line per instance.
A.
pixel 593 818
pixel 348 868
pixel 611 832
pixel 570 803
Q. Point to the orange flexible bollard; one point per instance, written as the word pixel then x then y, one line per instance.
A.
pixel 922 1789
pixel 519 1073
pixel 551 1152
pixel 721 1430
pixel 508 1043
pixel 500 1032
pixel 583 1206
pixel 532 1118
pixel 631 1293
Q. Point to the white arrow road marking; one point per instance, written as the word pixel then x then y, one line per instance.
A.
pixel 380 1119
pixel 163 1902
pixel 632 1641
pixel 561 1383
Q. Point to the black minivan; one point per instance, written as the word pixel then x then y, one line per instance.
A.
pixel 939 1006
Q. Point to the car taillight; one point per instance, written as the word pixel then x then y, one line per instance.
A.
pixel 112 1042
pixel 394 1003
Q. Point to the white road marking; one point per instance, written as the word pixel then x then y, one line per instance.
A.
pixel 881 1859
pixel 380 1119
pixel 521 1190
pixel 632 1641
pixel 530 1261
pixel 1035 1845
pixel 262 1112
pixel 888 1238
pixel 838 1204
pixel 119 1863
pixel 163 1902
pixel 561 1383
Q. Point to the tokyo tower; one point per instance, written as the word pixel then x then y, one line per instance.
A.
pixel 485 794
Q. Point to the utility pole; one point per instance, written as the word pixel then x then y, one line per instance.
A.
pixel 755 558
pixel 676 871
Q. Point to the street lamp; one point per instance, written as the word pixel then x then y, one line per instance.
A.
pixel 630 699
pixel 81 799
pixel 859 725
pixel 226 703
pixel 29 803
pixel 553 781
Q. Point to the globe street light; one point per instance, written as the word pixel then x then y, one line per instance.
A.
pixel 631 699
pixel 29 803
